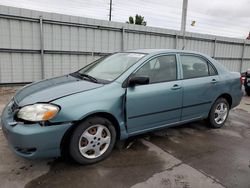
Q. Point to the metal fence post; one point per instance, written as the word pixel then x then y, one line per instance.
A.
pixel 242 56
pixel 176 41
pixel 123 39
pixel 41 46
pixel 92 54
pixel 214 50
pixel 184 42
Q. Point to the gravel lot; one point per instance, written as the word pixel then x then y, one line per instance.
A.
pixel 186 156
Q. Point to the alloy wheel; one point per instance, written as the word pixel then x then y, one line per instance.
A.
pixel 94 141
pixel 220 113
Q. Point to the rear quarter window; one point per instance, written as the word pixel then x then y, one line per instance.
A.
pixel 212 70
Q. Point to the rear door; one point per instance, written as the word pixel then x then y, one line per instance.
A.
pixel 159 102
pixel 200 83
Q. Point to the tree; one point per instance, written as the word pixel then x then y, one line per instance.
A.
pixel 248 38
pixel 139 20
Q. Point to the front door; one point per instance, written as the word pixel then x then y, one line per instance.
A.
pixel 158 103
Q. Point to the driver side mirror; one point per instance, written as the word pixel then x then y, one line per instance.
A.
pixel 138 81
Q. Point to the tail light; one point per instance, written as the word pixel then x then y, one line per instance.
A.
pixel 242 79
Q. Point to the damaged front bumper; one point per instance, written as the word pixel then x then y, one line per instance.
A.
pixel 32 140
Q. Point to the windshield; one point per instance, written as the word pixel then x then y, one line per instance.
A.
pixel 112 66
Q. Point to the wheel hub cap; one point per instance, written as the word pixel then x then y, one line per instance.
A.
pixel 94 141
pixel 220 113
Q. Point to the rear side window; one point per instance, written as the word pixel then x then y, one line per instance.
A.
pixel 194 67
pixel 159 69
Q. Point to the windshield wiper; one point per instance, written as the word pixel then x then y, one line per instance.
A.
pixel 82 75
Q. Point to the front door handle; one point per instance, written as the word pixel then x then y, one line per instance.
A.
pixel 214 81
pixel 175 87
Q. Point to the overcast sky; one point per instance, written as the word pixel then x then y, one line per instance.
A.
pixel 218 17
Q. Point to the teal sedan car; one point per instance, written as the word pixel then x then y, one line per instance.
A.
pixel 118 96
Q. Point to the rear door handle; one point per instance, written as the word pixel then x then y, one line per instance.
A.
pixel 175 87
pixel 214 81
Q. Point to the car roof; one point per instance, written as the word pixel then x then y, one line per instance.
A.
pixel 156 51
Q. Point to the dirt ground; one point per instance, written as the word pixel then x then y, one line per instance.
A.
pixel 191 155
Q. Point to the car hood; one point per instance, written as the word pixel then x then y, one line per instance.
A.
pixel 51 89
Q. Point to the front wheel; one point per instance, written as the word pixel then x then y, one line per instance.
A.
pixel 92 140
pixel 218 113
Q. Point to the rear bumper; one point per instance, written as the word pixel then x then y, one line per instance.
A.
pixel 32 140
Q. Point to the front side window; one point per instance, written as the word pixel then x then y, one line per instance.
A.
pixel 159 69
pixel 194 67
pixel 111 67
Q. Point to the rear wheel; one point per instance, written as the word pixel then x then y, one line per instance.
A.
pixel 218 113
pixel 248 92
pixel 92 141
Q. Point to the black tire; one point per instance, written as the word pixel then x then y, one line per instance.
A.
pixel 248 93
pixel 80 129
pixel 212 114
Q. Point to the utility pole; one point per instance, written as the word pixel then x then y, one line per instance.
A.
pixel 184 16
pixel 183 21
pixel 110 9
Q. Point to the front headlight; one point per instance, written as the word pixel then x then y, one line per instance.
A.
pixel 38 112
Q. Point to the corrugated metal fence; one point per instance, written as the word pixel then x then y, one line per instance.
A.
pixel 36 45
